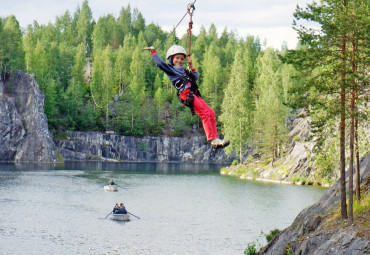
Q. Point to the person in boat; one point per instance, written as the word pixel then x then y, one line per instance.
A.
pixel 187 89
pixel 122 209
pixel 115 209
pixel 111 182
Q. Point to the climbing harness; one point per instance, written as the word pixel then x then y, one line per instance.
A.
pixel 190 11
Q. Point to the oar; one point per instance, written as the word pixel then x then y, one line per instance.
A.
pixel 108 215
pixel 121 187
pixel 133 215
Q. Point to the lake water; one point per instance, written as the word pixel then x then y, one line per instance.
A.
pixel 183 209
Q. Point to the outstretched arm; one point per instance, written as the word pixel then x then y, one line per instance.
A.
pixel 159 61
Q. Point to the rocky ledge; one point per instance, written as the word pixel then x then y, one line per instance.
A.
pixel 319 230
pixel 112 147
pixel 24 132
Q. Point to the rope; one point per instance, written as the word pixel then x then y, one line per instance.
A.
pixel 190 6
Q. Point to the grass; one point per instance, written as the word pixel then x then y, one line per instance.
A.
pixel 363 206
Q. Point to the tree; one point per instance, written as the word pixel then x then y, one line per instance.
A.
pixel 102 82
pixel 138 22
pixel 237 106
pixel 211 86
pixel 125 21
pixel 12 56
pixel 326 62
pixel 270 113
pixel 103 32
pixel 67 29
pixel 85 26
pixel 123 61
pixel 200 45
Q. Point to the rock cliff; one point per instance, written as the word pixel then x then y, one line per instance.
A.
pixel 318 229
pixel 99 146
pixel 24 132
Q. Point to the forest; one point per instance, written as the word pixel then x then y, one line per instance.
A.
pixel 96 76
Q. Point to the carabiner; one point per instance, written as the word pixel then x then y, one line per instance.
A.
pixel 191 8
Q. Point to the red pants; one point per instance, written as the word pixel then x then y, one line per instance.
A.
pixel 208 117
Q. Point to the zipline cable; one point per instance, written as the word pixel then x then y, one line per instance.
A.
pixel 190 10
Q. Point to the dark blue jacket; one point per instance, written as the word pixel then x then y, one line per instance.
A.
pixel 115 210
pixel 122 210
pixel 173 72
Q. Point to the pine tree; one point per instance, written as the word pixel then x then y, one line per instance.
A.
pixel 102 82
pixel 270 113
pixel 326 62
pixel 237 106
pixel 12 56
pixel 211 86
pixel 85 26
pixel 138 22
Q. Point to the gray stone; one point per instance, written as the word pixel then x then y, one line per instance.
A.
pixel 309 235
pixel 101 146
pixel 24 132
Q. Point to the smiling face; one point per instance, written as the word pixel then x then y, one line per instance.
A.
pixel 178 59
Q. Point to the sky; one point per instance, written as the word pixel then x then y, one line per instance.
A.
pixel 270 20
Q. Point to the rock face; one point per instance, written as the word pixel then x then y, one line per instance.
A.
pixel 24 133
pixel 312 232
pixel 99 146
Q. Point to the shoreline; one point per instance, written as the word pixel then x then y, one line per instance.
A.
pixel 244 177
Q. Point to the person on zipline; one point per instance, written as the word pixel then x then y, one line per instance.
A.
pixel 187 90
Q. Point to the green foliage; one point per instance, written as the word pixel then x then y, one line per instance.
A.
pixel 237 105
pixel 326 160
pixel 271 113
pixel 270 235
pixel 295 179
pixel 289 251
pixel 235 162
pixel 251 249
pixel 362 206
pixel 265 163
pixel 60 157
pixel 12 56
pixel 296 138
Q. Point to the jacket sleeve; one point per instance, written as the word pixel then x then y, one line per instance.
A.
pixel 194 75
pixel 161 64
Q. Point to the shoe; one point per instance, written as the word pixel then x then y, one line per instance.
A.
pixel 219 143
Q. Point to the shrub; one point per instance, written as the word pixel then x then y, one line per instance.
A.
pixel 251 249
pixel 271 235
pixel 363 206
pixel 235 162
pixel 295 179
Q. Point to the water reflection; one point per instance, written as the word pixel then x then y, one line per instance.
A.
pixel 158 168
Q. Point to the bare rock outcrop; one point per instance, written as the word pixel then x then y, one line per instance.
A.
pixel 315 231
pixel 24 132
pixel 100 146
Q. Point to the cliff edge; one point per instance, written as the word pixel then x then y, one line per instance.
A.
pixel 24 132
pixel 318 229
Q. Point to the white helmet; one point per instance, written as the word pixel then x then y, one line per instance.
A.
pixel 175 49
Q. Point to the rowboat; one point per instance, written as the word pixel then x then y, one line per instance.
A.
pixel 117 216
pixel 111 188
